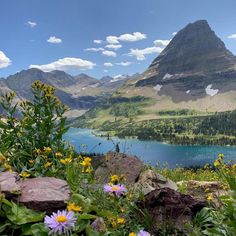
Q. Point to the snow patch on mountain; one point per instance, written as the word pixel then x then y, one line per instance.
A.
pixel 210 91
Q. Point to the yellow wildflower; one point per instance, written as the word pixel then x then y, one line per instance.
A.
pixel 58 155
pixel 132 234
pixel 7 167
pixel 86 162
pixel 37 151
pixel 73 207
pixel 47 164
pixel 217 163
pixel 120 221
pixel 221 156
pixel 31 161
pixel 2 159
pixel 25 174
pixel 114 178
pixel 210 197
pixel 47 150
pixel 66 160
pixel 234 166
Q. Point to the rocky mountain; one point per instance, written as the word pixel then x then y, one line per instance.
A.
pixel 195 64
pixel 80 93
pixel 195 71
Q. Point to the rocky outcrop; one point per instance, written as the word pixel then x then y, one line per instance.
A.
pixel 202 189
pixel 8 184
pixel 120 164
pixel 168 206
pixel 150 180
pixel 40 194
pixel 44 193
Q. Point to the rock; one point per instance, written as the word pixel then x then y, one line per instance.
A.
pixel 119 163
pixel 168 206
pixel 201 189
pixel 44 193
pixel 8 184
pixel 149 181
pixel 99 225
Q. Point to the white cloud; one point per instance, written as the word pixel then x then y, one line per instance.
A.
pixel 4 60
pixel 108 64
pixel 232 36
pixel 109 53
pixel 161 43
pixel 140 54
pixel 174 33
pixel 112 39
pixel 97 41
pixel 136 36
pixel 114 46
pixel 132 37
pixel 67 63
pixel 124 63
pixel 94 49
pixel 32 24
pixel 54 40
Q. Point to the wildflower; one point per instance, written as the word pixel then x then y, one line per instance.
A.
pixel 58 155
pixel 37 151
pixel 221 156
pixel 217 163
pixel 86 162
pixel 210 197
pixel 47 150
pixel 61 222
pixel 234 166
pixel 66 160
pixel 25 174
pixel 114 178
pixel 73 207
pixel 143 233
pixel 118 189
pixel 31 162
pixel 7 167
pixel 2 159
pixel 132 234
pixel 47 164
pixel 120 221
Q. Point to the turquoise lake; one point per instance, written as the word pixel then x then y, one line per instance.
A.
pixel 149 151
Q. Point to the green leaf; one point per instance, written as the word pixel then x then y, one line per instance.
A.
pixel 39 230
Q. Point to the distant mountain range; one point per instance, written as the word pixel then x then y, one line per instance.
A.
pixel 80 93
pixel 195 71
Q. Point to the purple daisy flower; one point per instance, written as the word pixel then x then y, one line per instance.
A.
pixel 117 189
pixel 143 233
pixel 61 222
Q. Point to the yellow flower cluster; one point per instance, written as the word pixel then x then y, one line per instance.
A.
pixel 87 165
pixel 74 207
pixel 25 174
pixel 66 161
pixel 3 161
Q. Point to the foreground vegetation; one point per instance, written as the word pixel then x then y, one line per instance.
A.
pixel 33 146
pixel 185 127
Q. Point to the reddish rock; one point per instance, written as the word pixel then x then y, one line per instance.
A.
pixel 120 164
pixel 166 205
pixel 8 184
pixel 44 193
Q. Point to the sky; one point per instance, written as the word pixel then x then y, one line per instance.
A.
pixel 101 37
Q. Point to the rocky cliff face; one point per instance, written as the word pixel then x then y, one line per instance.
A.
pixel 195 64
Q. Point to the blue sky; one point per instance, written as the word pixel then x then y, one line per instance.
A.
pixel 60 34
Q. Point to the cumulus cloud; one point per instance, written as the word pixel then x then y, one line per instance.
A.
pixel 94 49
pixel 114 46
pixel 65 64
pixel 108 64
pixel 54 39
pixel 109 53
pixel 140 54
pixel 124 63
pixel 4 60
pixel 136 36
pixel 161 43
pixel 232 36
pixel 32 24
pixel 97 41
